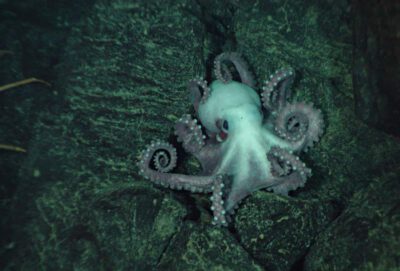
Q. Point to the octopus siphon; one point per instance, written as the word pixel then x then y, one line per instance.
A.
pixel 243 142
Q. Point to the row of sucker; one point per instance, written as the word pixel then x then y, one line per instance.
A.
pixel 217 202
pixel 299 121
pixel 221 71
pixel 223 74
pixel 289 158
pixel 163 155
pixel 189 132
pixel 269 95
pixel 290 123
pixel 293 178
pixel 198 83
pixel 159 158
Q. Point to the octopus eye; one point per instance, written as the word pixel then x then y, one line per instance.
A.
pixel 225 125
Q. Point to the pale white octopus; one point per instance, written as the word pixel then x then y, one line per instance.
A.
pixel 243 143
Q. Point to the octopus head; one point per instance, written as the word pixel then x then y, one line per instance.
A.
pixel 230 109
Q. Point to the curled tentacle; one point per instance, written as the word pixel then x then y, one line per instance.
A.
pixel 163 161
pixel 223 74
pixel 160 158
pixel 198 91
pixel 289 172
pixel 218 207
pixel 276 90
pixel 300 124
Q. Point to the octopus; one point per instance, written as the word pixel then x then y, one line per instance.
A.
pixel 243 141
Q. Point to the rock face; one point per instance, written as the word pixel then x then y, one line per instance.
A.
pixel 366 235
pixel 79 200
pixel 376 60
pixel 119 70
pixel 205 248
pixel 278 231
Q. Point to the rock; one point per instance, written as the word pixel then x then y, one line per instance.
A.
pixel 119 63
pixel 278 231
pixel 205 248
pixel 272 35
pixel 119 71
pixel 376 57
pixel 125 228
pixel 366 236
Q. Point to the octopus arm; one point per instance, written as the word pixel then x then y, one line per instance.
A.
pixel 300 125
pixel 193 140
pixel 243 151
pixel 189 133
pixel 158 159
pixel 288 171
pixel 198 91
pixel 276 90
pixel 223 74
pixel 221 218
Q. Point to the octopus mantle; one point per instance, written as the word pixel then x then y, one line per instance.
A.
pixel 243 143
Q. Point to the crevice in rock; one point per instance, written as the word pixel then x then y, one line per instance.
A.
pixel 165 248
pixel 219 27
pixel 299 264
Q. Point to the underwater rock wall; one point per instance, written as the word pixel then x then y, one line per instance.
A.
pixel 376 57
pixel 118 71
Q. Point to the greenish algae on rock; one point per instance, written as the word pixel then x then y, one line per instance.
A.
pixel 121 82
pixel 278 231
pixel 310 38
pixel 80 203
pixel 366 236
pixel 206 248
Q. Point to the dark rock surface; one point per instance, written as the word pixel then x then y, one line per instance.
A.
pixel 278 231
pixel 118 71
pixel 205 248
pixel 109 81
pixel 366 235
pixel 376 69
